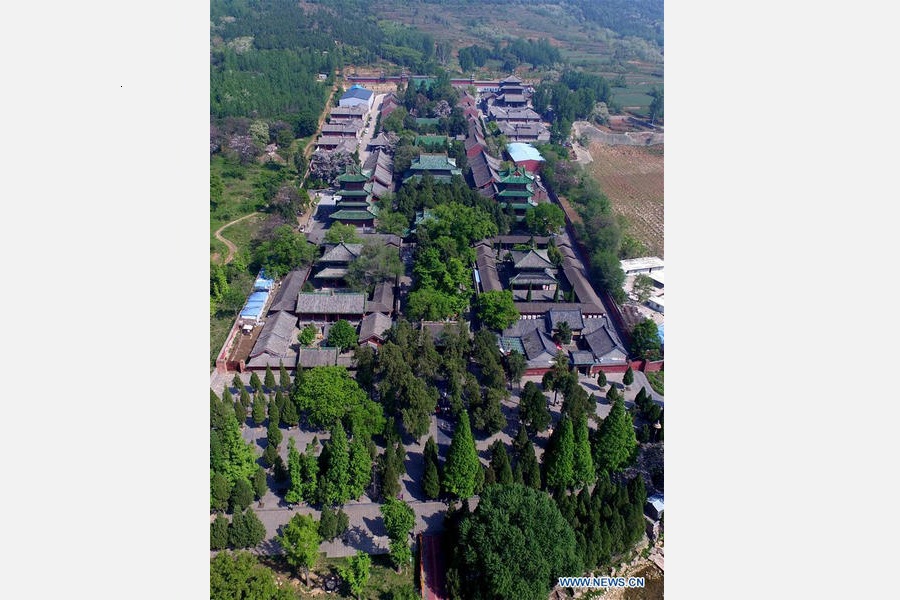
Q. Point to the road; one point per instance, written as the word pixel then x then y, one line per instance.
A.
pixel 370 119
pixel 231 247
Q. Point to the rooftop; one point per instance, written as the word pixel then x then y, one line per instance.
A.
pixel 520 151
pixel 645 262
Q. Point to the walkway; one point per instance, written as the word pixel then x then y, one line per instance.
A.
pixel 231 247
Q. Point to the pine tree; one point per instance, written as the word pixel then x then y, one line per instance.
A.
pixel 227 398
pixel 254 530
pixel 360 467
pixel 500 463
pixel 259 411
pixel 583 465
pixel 241 495
pixel 270 454
pixel 237 383
pixel 240 413
pixel 334 464
pixel 274 414
pixel 273 434
pixel 295 492
pixel 284 379
pixel 260 487
pixel 615 443
pixel 245 397
pixel 390 476
pixel 462 470
pixel 255 382
pixel 269 379
pixel 558 460
pixel 218 411
pixel 309 470
pixel 218 533
pixel 328 523
pixel 628 378
pixel 289 416
pixel 601 380
pixel 431 480
pixel 220 491
pixel 280 471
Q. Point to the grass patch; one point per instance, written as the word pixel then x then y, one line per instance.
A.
pixel 656 381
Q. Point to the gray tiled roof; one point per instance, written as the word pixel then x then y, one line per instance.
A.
pixel 375 325
pixel 317 303
pixel 572 317
pixel 532 259
pixel 341 253
pixel 276 335
pixel 286 296
pixel 487 269
pixel 382 299
pixel 538 346
pixel 317 357
pixel 603 342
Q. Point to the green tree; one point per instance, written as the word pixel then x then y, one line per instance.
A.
pixel 563 333
pixel 645 341
pixel 356 573
pixel 628 377
pixel 528 471
pixel 241 495
pixel 601 380
pixel 326 394
pixel 342 335
pixel 255 382
pixel 513 545
pixel 496 309
pixel 615 442
pixel 273 433
pixel 558 460
pixel 246 530
pixel 270 454
pixel 341 232
pixel 364 356
pixel 219 492
pixel 237 383
pixel 307 335
pixel 500 463
pixel 286 250
pixel 259 483
pixel 656 105
pixel 216 189
pixel 331 523
pixel 284 379
pixel 300 540
pixel 583 465
pixel 334 465
pixel 219 411
pixel 289 416
pixel 431 480
pixel 462 469
pixel 376 263
pixel 239 575
pixel 245 397
pixel 515 366
pixel 259 411
pixel 269 379
pixel 545 219
pixel 230 455
pixel 360 466
pixel 218 533
pixel 533 410
pixel 240 413
pixel 295 491
pixel 399 519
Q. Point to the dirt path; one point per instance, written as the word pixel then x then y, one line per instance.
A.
pixel 231 247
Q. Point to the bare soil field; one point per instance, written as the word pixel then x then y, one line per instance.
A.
pixel 632 178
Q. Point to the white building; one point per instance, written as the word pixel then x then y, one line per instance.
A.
pixel 645 264
pixel 358 96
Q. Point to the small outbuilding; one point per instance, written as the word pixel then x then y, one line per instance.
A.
pixel 654 507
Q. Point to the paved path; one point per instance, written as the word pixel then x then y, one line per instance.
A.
pixel 434 567
pixel 231 247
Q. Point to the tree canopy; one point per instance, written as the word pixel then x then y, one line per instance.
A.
pixel 514 545
pixel 545 219
pixel 342 335
pixel 286 250
pixel 328 394
pixel 239 575
pixel 462 469
pixel 496 309
pixel 300 540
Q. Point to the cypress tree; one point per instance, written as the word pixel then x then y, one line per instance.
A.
pixel 220 491
pixel 241 495
pixel 245 397
pixel 295 492
pixel 259 483
pixel 259 411
pixel 500 463
pixel 558 460
pixel 270 454
pixel 255 382
pixel 273 434
pixel 334 468
pixel 390 477
pixel 284 379
pixel 583 464
pixel 269 379
pixel 289 415
pixel 274 414
pixel 328 523
pixel 280 471
pixel 218 533
pixel 615 443
pixel 240 413
pixel 628 378
pixel 431 480
pixel 227 398
pixel 601 379
pixel 237 383
pixel 462 470
pixel 360 467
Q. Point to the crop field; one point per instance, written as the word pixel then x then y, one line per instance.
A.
pixel 632 178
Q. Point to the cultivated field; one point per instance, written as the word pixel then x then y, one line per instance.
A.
pixel 632 178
